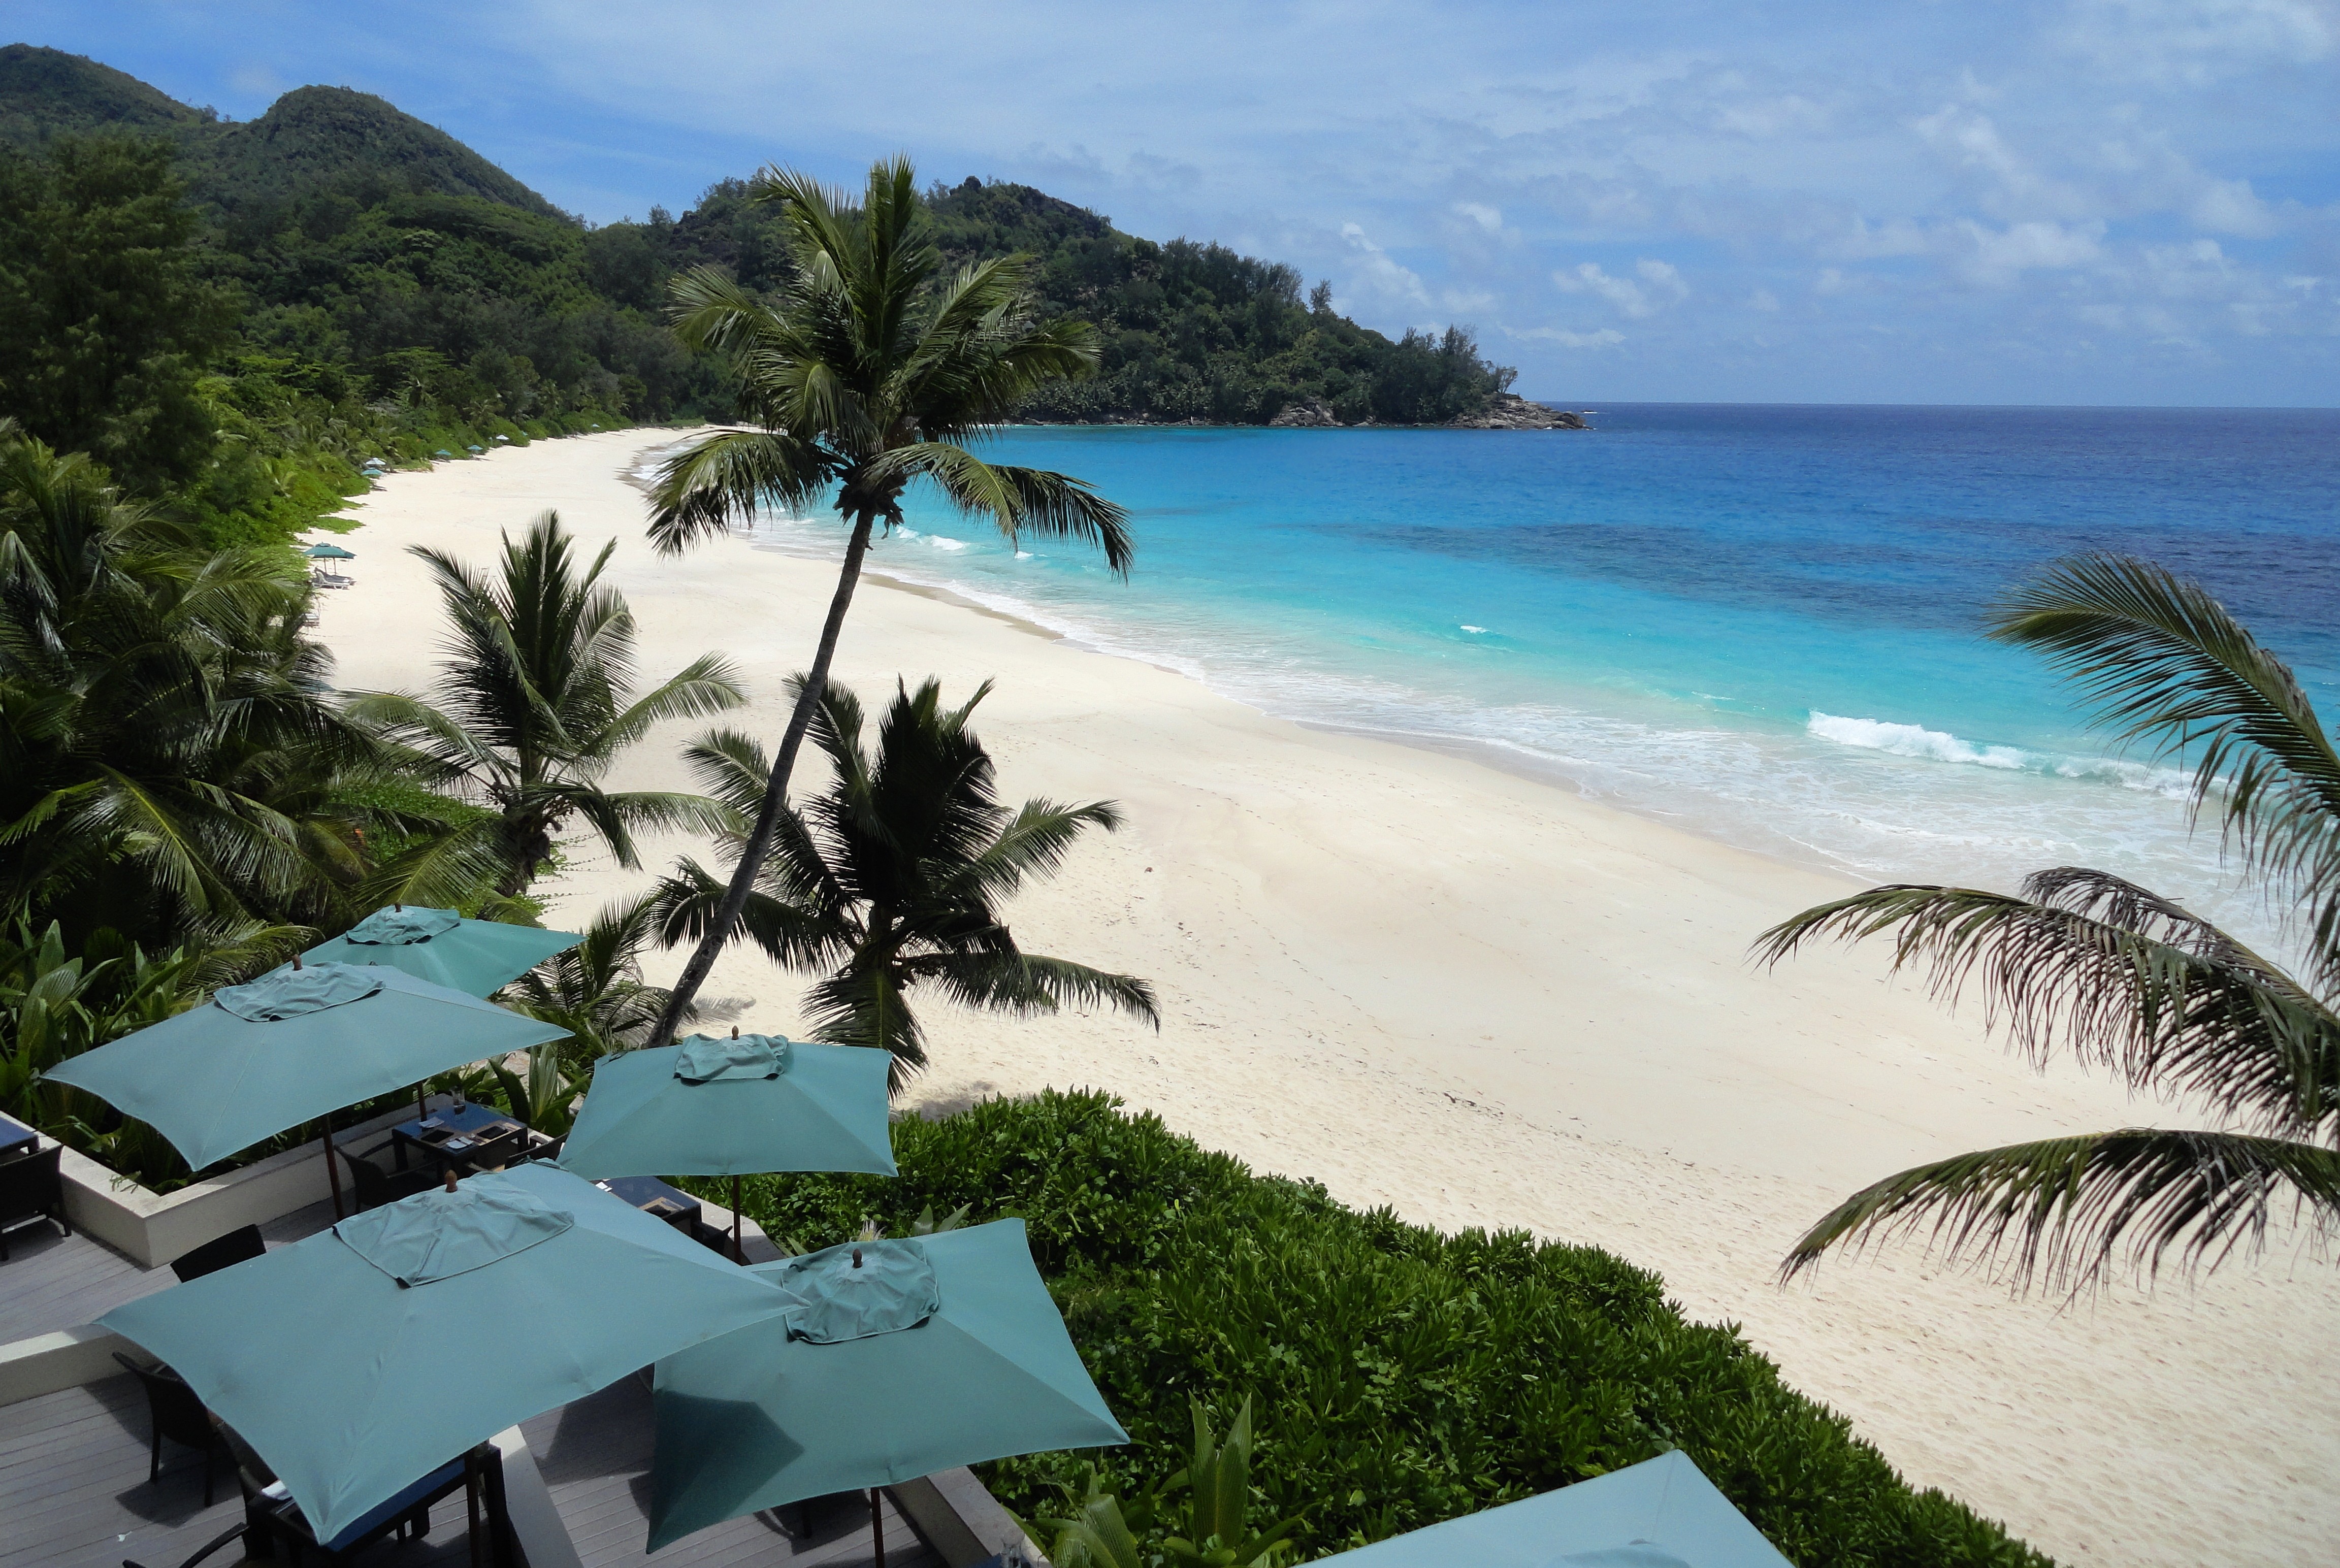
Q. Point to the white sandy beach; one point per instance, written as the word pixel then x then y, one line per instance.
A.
pixel 1486 1001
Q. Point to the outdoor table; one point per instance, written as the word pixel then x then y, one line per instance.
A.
pixel 480 1129
pixel 653 1197
pixel 17 1139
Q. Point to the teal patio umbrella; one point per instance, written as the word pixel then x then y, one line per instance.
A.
pixel 329 552
pixel 894 1360
pixel 376 1351
pixel 475 957
pixel 294 1046
pixel 734 1107
pixel 1662 1513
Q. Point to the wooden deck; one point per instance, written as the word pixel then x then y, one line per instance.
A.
pixel 74 1494
pixel 52 1281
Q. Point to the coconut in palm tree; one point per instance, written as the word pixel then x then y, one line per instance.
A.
pixel 535 703
pixel 867 371
pixel 2126 980
pixel 891 880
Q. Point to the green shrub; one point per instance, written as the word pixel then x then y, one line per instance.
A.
pixel 1403 1377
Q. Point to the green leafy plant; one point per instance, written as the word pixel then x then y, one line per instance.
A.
pixel 891 880
pixel 2086 962
pixel 1216 1532
pixel 1414 1375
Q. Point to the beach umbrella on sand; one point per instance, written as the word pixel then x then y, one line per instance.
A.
pixel 894 1360
pixel 294 1046
pixel 734 1107
pixel 474 449
pixel 329 552
pixel 373 1353
pixel 504 438
pixel 442 451
pixel 1662 1513
pixel 478 957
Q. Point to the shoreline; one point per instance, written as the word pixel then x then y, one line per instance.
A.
pixel 1484 999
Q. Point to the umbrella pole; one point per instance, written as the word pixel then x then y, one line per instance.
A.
pixel 738 1256
pixel 332 1171
pixel 877 1529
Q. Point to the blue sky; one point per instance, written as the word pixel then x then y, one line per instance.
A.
pixel 2075 201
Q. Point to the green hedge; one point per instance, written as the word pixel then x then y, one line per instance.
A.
pixel 1403 1377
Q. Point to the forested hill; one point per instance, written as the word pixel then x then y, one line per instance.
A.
pixel 336 279
pixel 310 138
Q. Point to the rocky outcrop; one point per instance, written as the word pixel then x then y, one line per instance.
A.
pixel 1508 410
pixel 1308 413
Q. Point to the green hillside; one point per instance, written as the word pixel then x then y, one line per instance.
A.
pixel 345 281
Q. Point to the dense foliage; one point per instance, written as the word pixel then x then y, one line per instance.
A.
pixel 892 879
pixel 1197 331
pixel 1402 1376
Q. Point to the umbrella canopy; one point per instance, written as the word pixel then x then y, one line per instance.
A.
pixel 329 552
pixel 1662 1513
pixel 442 451
pixel 474 449
pixel 292 1046
pixel 371 1353
pixel 475 957
pixel 732 1107
pixel 935 1352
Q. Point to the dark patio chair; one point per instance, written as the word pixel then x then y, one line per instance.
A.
pixel 220 1252
pixel 271 1522
pixel 176 1414
pixel 376 1185
pixel 277 1521
pixel 31 1190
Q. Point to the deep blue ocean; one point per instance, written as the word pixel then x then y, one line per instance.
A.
pixel 1759 623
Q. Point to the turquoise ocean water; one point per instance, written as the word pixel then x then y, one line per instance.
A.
pixel 1758 623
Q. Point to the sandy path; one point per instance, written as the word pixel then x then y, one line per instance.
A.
pixel 1485 1001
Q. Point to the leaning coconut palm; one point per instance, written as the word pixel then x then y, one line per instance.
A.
pixel 534 704
pixel 866 371
pixel 892 879
pixel 2126 979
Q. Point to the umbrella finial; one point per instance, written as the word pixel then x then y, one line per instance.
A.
pixel 857 1257
pixel 398 908
pixel 451 1178
pixel 296 960
pixel 735 1031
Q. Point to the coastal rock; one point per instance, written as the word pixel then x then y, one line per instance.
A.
pixel 1508 410
pixel 1308 413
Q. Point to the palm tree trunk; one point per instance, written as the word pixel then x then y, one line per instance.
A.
pixel 776 793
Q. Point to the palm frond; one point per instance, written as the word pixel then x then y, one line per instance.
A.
pixel 1021 501
pixel 2187 1015
pixel 2166 666
pixel 720 479
pixel 2073 1212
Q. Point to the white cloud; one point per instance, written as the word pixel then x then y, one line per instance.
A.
pixel 1999 255
pixel 1661 285
pixel 1488 218
pixel 1376 275
pixel 1605 338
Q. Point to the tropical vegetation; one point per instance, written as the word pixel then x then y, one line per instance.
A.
pixel 534 704
pixel 1399 1377
pixel 890 880
pixel 2120 978
pixel 867 369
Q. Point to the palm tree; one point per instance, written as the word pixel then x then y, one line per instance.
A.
pixel 2126 979
pixel 866 371
pixel 536 703
pixel 596 991
pixel 169 763
pixel 892 879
